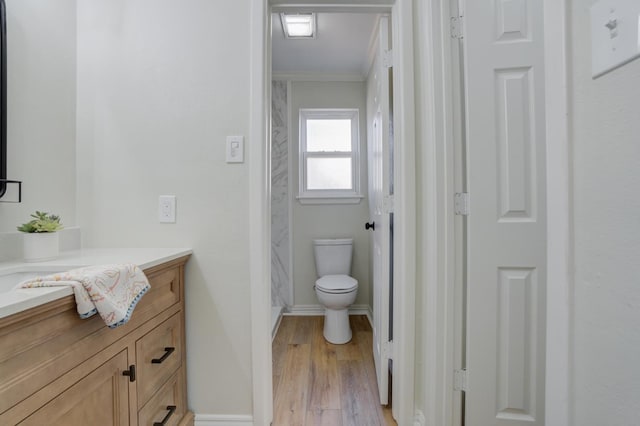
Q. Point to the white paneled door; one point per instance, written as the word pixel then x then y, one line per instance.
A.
pixel 379 187
pixel 504 80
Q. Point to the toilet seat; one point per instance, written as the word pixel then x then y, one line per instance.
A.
pixel 337 284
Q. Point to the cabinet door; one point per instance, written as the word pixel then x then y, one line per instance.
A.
pixel 100 398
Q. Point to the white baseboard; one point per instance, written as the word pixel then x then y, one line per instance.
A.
pixel 370 316
pixel 223 420
pixel 419 419
pixel 278 319
pixel 302 310
pixel 274 331
pixel 359 310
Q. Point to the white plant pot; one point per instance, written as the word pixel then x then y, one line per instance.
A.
pixel 40 246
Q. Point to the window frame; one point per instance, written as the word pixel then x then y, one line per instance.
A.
pixel 329 196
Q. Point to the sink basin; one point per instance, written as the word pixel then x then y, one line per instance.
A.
pixel 13 300
pixel 9 281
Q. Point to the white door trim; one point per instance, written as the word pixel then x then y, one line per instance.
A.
pixel 404 268
pixel 260 212
pixel 437 185
pixel 559 212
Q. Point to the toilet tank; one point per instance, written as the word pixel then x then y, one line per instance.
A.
pixel 333 256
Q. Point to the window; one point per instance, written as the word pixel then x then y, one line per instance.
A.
pixel 329 160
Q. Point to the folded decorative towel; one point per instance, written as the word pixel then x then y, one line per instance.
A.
pixel 111 290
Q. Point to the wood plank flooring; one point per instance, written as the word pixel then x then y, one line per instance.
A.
pixel 316 383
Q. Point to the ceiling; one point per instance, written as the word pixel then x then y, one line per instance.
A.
pixel 342 45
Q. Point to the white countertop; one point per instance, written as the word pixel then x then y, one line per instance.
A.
pixel 17 300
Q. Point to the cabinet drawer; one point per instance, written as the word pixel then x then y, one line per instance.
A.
pixel 165 291
pixel 159 406
pixel 158 356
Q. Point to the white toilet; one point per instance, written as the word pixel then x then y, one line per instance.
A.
pixel 336 290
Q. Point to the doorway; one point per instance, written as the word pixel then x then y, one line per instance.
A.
pixel 342 68
pixel 404 203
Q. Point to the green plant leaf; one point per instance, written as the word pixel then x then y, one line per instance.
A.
pixel 41 222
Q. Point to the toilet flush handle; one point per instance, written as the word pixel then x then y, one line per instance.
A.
pixel 371 226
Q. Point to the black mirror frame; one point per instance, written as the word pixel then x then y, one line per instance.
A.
pixel 3 98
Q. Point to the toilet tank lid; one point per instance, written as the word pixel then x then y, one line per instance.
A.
pixel 334 242
pixel 337 283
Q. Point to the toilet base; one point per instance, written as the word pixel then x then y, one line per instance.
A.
pixel 337 329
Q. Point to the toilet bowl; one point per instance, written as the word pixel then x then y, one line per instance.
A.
pixel 335 289
pixel 336 293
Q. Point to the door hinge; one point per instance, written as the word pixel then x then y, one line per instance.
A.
pixel 457 25
pixel 387 204
pixel 460 380
pixel 387 58
pixel 387 350
pixel 461 203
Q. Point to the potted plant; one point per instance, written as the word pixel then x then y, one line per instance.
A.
pixel 41 238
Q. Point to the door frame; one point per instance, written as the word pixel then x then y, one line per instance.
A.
pixel 559 369
pixel 404 203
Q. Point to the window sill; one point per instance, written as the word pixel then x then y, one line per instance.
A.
pixel 345 199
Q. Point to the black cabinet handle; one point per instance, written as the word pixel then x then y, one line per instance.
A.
pixel 371 226
pixel 167 352
pixel 172 409
pixel 131 372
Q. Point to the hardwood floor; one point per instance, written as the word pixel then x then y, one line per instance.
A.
pixel 316 383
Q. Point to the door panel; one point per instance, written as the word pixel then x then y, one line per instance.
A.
pixel 379 191
pixel 504 81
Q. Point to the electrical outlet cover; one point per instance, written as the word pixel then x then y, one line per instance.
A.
pixel 167 209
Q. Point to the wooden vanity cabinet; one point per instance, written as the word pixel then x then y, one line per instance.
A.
pixel 57 369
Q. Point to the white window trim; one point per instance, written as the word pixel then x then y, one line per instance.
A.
pixel 351 196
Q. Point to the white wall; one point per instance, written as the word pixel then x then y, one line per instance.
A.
pixel 605 134
pixel 41 93
pixel 160 85
pixel 329 221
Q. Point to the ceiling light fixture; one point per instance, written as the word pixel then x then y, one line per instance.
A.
pixel 302 25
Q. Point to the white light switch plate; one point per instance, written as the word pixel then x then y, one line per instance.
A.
pixel 235 149
pixel 167 209
pixel 615 39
